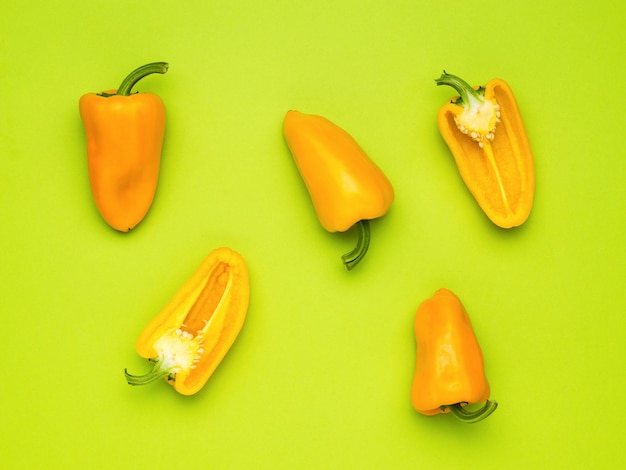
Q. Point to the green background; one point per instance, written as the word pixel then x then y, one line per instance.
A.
pixel 320 375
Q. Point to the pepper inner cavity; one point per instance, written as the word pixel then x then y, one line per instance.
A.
pixel 208 300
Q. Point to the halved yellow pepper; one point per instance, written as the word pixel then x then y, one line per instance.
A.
pixel 345 186
pixel 192 334
pixel 486 135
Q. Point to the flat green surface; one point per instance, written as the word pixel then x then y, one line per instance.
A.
pixel 321 373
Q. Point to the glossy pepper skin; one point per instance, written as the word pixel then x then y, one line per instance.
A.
pixel 449 371
pixel 485 132
pixel 345 185
pixel 124 134
pixel 189 338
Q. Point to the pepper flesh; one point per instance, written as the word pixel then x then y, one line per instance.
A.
pixel 485 133
pixel 449 371
pixel 345 185
pixel 189 338
pixel 124 141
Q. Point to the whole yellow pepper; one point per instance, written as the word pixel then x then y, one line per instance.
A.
pixel 485 132
pixel 449 369
pixel 345 186
pixel 124 138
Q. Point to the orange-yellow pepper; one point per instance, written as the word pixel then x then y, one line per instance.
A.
pixel 189 338
pixel 449 370
pixel 124 139
pixel 345 185
pixel 484 130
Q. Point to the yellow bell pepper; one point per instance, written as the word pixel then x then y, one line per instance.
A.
pixel 449 370
pixel 192 334
pixel 486 135
pixel 345 186
pixel 124 138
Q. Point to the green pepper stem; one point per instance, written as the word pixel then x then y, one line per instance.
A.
pixel 137 74
pixel 473 416
pixel 350 260
pixel 157 372
pixel 469 95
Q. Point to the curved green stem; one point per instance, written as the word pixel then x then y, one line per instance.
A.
pixel 469 96
pixel 157 372
pixel 137 74
pixel 473 416
pixel 350 260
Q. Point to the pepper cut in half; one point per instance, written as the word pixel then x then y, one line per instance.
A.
pixel 484 130
pixel 124 140
pixel 449 371
pixel 192 334
pixel 345 185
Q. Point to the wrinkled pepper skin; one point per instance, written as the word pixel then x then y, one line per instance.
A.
pixel 449 366
pixel 344 184
pixel 189 338
pixel 124 141
pixel 486 135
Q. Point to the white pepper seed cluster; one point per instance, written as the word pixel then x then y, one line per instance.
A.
pixel 180 350
pixel 473 125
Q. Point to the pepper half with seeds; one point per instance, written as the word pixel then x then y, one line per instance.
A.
pixel 484 130
pixel 192 334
